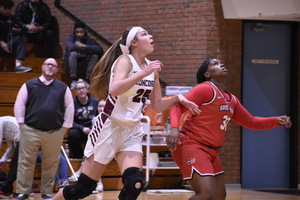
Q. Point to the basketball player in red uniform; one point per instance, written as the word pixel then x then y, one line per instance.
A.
pixel 195 148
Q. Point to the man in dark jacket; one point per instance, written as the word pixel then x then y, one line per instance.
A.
pixel 12 40
pixel 82 53
pixel 35 18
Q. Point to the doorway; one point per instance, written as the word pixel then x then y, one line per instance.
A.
pixel 266 92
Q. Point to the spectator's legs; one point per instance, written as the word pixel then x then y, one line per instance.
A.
pixel 73 61
pixel 7 186
pixel 62 173
pixel 76 138
pixel 45 38
pixel 65 63
pixel 48 43
pixel 92 61
pixel 19 45
pixel 50 146
pixel 28 149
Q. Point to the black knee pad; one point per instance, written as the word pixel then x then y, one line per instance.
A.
pixel 82 188
pixel 130 177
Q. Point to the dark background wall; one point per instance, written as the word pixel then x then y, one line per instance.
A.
pixel 186 32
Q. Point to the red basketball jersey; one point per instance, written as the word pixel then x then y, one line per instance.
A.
pixel 217 107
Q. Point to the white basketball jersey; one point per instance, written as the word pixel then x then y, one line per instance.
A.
pixel 128 106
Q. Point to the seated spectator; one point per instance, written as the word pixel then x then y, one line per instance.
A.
pixel 12 40
pixel 82 53
pixel 35 17
pixel 100 107
pixel 85 110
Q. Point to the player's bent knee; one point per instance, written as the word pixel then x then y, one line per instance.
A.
pixel 84 187
pixel 132 179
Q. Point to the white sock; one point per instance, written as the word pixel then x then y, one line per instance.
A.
pixel 18 62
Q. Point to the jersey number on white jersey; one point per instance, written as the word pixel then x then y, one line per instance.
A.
pixel 141 96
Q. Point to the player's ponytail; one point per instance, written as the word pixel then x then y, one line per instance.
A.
pixel 101 73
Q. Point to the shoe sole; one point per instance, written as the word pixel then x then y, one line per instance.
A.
pixel 46 198
pixel 24 71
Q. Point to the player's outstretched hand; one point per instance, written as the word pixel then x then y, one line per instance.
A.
pixel 285 120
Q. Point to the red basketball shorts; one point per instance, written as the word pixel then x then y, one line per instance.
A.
pixel 191 156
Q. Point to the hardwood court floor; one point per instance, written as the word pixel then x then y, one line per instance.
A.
pixel 232 194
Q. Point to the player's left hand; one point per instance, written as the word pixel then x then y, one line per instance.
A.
pixel 189 105
pixel 285 120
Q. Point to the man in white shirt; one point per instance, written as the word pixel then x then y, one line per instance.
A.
pixel 10 131
pixel 44 109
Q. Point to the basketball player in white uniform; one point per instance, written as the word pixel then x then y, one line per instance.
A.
pixel 117 133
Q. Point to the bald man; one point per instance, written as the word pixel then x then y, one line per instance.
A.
pixel 44 110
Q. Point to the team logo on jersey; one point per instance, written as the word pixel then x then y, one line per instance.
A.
pixel 147 83
pixel 225 107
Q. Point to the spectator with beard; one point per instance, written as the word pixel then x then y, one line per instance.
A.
pixel 44 110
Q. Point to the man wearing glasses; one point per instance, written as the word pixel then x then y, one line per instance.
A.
pixel 44 110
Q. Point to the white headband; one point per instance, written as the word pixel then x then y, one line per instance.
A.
pixel 132 33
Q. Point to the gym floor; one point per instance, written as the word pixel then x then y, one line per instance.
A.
pixel 232 194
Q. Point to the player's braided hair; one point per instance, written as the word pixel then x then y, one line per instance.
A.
pixel 202 69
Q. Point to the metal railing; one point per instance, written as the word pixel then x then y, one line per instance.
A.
pixel 76 19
